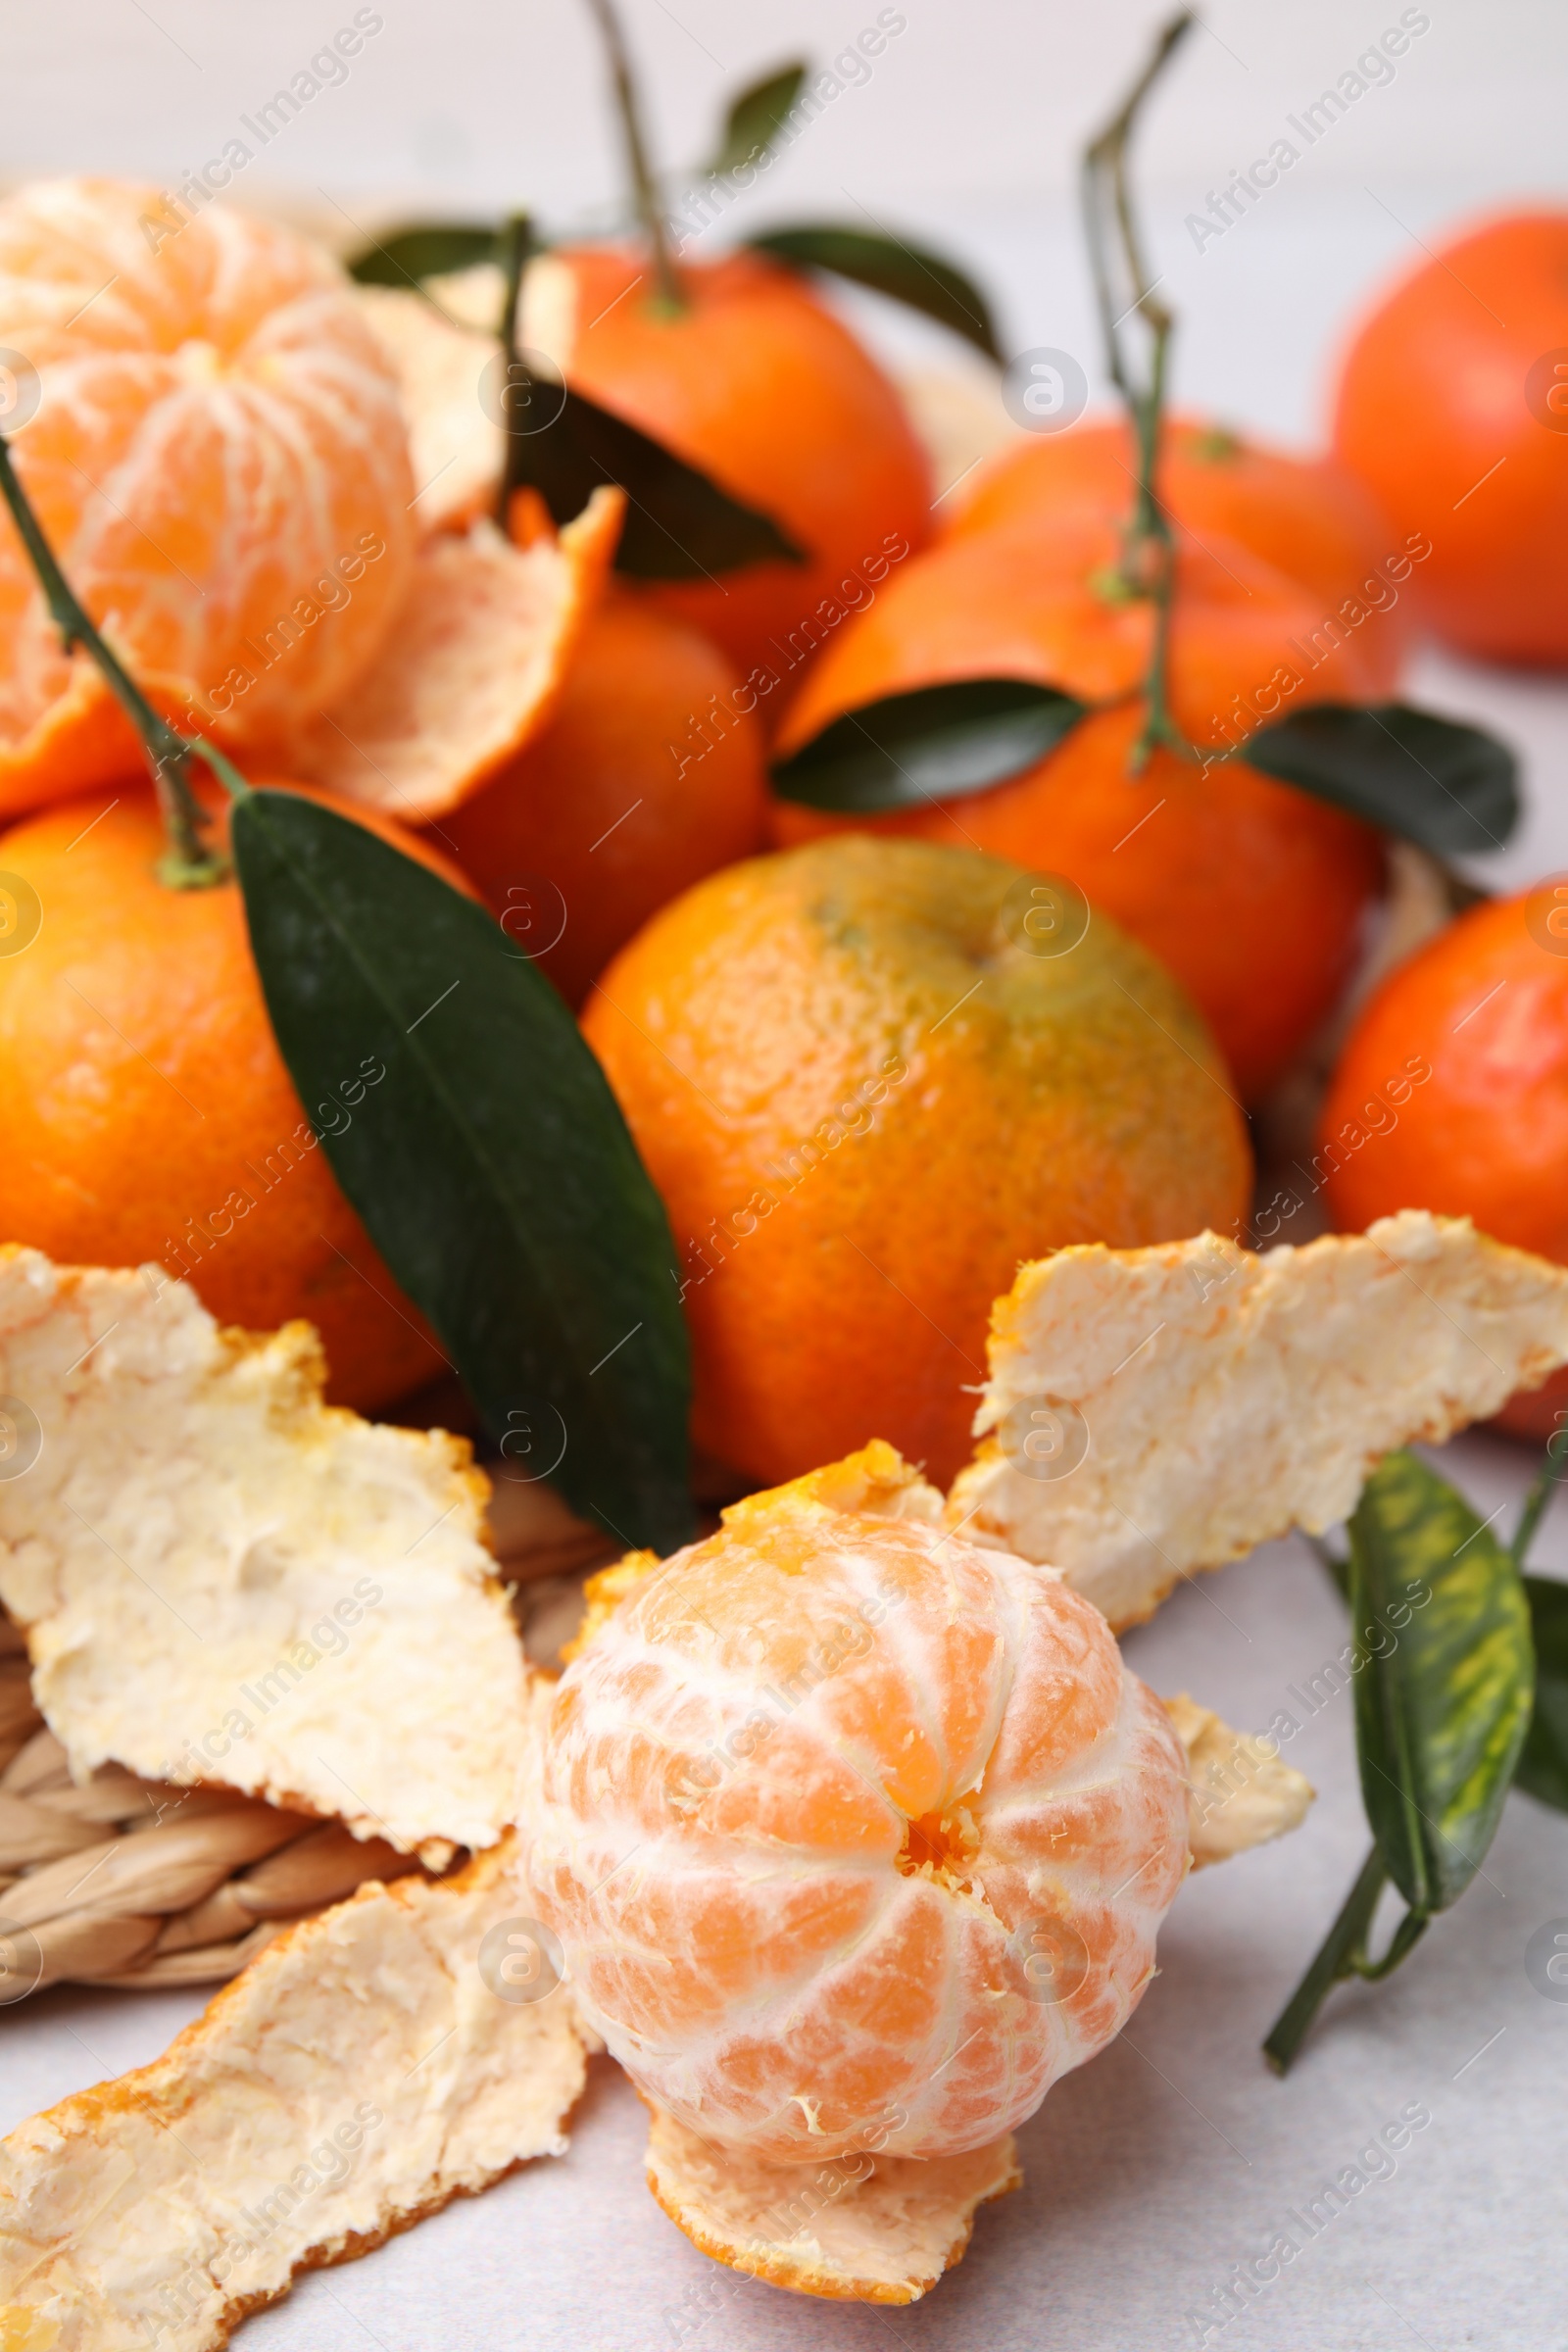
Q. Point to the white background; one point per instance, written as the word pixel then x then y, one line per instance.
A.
pixel 1174 2155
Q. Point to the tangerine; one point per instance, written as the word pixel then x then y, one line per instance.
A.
pixel 1452 407
pixel 906 1828
pixel 1252 892
pixel 1451 1093
pixel 866 1083
pixel 649 776
pixel 1311 517
pixel 150 1118
pixel 755 383
pixel 219 459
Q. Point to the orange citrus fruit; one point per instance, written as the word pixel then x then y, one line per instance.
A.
pixel 219 459
pixel 758 385
pixel 1452 407
pixel 1253 893
pixel 1451 1093
pixel 1311 517
pixel 864 1094
pixel 904 1827
pixel 649 776
pixel 150 1118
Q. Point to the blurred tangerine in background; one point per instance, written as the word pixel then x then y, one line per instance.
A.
pixel 649 776
pixel 1307 516
pixel 754 382
pixel 1451 1093
pixel 1452 407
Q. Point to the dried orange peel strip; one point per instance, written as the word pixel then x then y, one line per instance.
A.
pixel 221 1578
pixel 864 2229
pixel 358 2075
pixel 470 668
pixel 1149 1412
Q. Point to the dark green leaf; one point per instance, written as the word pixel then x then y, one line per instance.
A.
pixel 933 743
pixel 753 122
pixel 490 1162
pixel 1544 1761
pixel 680 525
pixel 404 257
pixel 1453 789
pixel 889 265
pixel 1442 1712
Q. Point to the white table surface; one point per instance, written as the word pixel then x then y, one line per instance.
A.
pixel 1176 2154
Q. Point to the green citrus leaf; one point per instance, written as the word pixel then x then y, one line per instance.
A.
pixel 1543 1760
pixel 404 257
pixel 489 1159
pixel 1453 789
pixel 910 274
pixel 680 525
pixel 933 743
pixel 755 120
pixel 1444 1677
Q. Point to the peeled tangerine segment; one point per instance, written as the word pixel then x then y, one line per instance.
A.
pixel 224 1579
pixel 859 1768
pixel 864 2229
pixel 470 669
pixel 360 2074
pixel 857 2216
pixel 1153 1412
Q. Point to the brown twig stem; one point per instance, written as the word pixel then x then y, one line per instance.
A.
pixel 645 189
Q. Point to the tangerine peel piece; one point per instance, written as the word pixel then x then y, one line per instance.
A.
pixel 357 2075
pixel 1240 1794
pixel 470 669
pixel 224 1579
pixel 1187 1403
pixel 865 2229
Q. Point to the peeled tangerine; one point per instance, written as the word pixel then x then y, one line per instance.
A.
pixel 856 1836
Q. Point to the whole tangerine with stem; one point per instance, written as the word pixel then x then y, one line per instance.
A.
pixel 214 433
pixel 1451 1092
pixel 750 378
pixel 1309 517
pixel 1452 407
pixel 864 1094
pixel 649 776
pixel 150 1118
pixel 854 1834
pixel 1252 892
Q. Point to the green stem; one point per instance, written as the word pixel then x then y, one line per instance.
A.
pixel 645 189
pixel 1147 562
pixel 189 865
pixel 1409 1931
pixel 1334 1959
